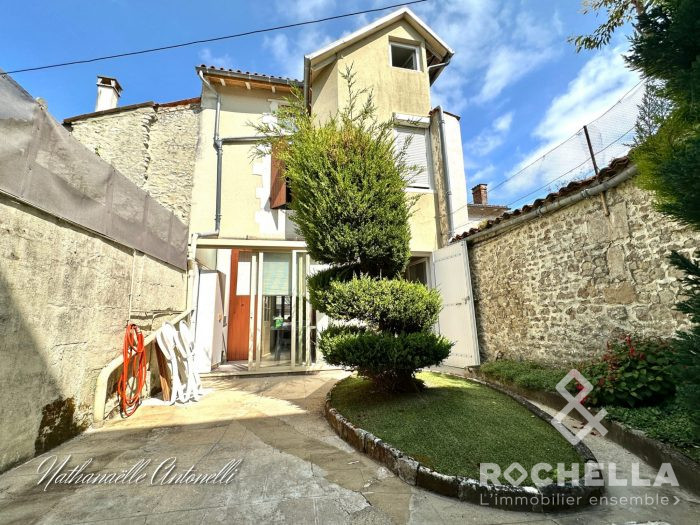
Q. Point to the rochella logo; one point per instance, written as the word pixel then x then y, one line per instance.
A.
pixel 593 422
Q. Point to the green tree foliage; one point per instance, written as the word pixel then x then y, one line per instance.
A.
pixel 653 111
pixel 666 50
pixel 687 344
pixel 619 12
pixel 390 305
pixel 348 182
pixel 390 360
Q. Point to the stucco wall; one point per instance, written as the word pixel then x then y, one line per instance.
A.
pixel 245 188
pixel 395 89
pixel 153 146
pixel 64 303
pixel 558 287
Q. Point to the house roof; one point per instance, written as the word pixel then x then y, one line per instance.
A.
pixel 487 207
pixel 247 79
pixel 435 45
pixel 121 109
pixel 614 168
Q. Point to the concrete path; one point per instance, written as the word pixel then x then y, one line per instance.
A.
pixel 294 470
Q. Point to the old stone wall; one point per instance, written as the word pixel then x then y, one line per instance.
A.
pixel 154 146
pixel 64 303
pixel 558 287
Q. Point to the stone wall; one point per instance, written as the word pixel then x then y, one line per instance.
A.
pixel 154 146
pixel 558 287
pixel 64 303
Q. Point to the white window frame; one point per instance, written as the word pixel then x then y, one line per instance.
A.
pixel 416 55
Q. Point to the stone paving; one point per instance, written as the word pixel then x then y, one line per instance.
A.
pixel 294 470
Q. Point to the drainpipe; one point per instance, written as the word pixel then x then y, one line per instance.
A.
pixel 194 269
pixel 443 154
pixel 307 83
pixel 625 174
pixel 446 173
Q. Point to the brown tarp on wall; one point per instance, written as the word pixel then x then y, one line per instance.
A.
pixel 42 165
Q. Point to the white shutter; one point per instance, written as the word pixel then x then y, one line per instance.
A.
pixel 457 319
pixel 416 153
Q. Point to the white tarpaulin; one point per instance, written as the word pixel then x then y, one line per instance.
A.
pixel 42 165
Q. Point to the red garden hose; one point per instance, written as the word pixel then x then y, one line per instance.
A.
pixel 135 366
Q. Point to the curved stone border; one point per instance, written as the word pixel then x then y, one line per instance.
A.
pixel 652 451
pixel 533 499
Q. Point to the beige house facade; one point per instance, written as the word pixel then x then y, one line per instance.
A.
pixel 248 265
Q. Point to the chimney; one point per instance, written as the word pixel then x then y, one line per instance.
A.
pixel 108 92
pixel 480 194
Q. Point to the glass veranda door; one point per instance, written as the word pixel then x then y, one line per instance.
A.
pixel 283 309
pixel 302 311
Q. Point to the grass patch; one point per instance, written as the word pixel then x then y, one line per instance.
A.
pixel 668 422
pixel 525 374
pixel 454 425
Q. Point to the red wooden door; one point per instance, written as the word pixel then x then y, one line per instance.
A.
pixel 238 315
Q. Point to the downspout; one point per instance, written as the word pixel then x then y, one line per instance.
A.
pixel 194 273
pixel 625 174
pixel 218 145
pixel 443 154
pixel 307 84
pixel 446 174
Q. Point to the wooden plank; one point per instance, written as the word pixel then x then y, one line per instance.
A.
pixel 163 372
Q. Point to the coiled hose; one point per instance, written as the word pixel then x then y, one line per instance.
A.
pixel 134 366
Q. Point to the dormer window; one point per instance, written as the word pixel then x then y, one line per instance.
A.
pixel 404 56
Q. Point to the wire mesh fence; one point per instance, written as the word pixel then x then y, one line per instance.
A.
pixel 610 136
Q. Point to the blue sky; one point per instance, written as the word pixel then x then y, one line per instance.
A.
pixel 517 83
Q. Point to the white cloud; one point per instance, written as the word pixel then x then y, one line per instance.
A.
pixel 207 58
pixel 483 176
pixel 601 82
pixel 289 52
pixel 301 10
pixel 599 85
pixel 508 65
pixel 503 123
pixel 492 137
pixel 496 43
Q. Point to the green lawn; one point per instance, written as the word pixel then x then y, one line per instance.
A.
pixel 525 374
pixel 454 425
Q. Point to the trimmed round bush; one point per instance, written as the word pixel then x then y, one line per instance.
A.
pixel 389 360
pixel 391 305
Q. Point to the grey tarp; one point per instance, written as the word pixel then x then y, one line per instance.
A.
pixel 43 165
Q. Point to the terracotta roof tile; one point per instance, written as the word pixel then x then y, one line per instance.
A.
pixel 120 109
pixel 252 73
pixel 615 167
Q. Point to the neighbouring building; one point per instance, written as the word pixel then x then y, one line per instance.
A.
pixel 479 210
pixel 248 265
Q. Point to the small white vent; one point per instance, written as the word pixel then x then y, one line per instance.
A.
pixel 416 153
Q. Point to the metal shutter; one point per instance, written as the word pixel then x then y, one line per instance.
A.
pixel 416 153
